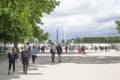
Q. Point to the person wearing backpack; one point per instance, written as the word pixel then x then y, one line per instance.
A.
pixel 53 51
pixel 33 52
pixel 12 56
pixel 25 59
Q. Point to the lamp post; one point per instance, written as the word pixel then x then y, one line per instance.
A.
pixel 64 35
pixel 65 29
pixel 57 35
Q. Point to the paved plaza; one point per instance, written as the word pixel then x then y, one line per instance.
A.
pixel 74 66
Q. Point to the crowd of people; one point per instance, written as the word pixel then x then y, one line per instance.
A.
pixel 24 57
pixel 102 48
pixel 27 52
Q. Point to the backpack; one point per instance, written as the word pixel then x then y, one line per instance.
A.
pixel 16 56
pixel 51 50
pixel 12 56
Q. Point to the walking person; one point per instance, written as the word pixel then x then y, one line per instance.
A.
pixel 52 51
pixel 106 48
pixel 12 56
pixel 59 52
pixel 95 48
pixel 33 52
pixel 28 48
pixel 83 49
pixel 25 59
pixel 79 50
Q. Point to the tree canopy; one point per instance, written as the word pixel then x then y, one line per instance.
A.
pixel 118 25
pixel 19 19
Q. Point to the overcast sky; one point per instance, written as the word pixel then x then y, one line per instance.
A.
pixel 83 18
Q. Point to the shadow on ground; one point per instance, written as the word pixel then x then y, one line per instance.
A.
pixel 43 60
pixel 19 70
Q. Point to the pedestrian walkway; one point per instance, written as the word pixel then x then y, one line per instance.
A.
pixel 92 66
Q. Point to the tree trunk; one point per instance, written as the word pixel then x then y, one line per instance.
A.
pixel 4 47
pixel 16 46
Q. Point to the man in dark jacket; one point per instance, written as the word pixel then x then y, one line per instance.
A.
pixel 59 52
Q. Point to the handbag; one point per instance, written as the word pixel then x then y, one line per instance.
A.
pixel 51 50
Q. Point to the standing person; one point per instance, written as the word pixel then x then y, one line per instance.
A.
pixel 106 48
pixel 59 52
pixel 12 56
pixel 28 47
pixel 53 51
pixel 83 49
pixel 33 52
pixel 95 48
pixel 66 48
pixel 25 59
pixel 43 48
pixel 79 49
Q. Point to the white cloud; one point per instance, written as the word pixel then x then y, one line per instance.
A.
pixel 83 18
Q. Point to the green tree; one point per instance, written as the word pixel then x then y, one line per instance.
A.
pixel 113 39
pixel 50 41
pixel 94 39
pixel 63 41
pixel 118 25
pixel 19 19
pixel 67 42
pixel 78 40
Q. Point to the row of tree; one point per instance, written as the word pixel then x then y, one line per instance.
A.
pixel 115 39
pixel 19 19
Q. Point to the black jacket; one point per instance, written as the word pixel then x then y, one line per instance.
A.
pixel 59 49
pixel 12 57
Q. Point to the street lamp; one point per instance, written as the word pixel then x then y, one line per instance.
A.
pixel 57 35
pixel 65 29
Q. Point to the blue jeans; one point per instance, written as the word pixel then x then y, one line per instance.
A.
pixel 33 58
